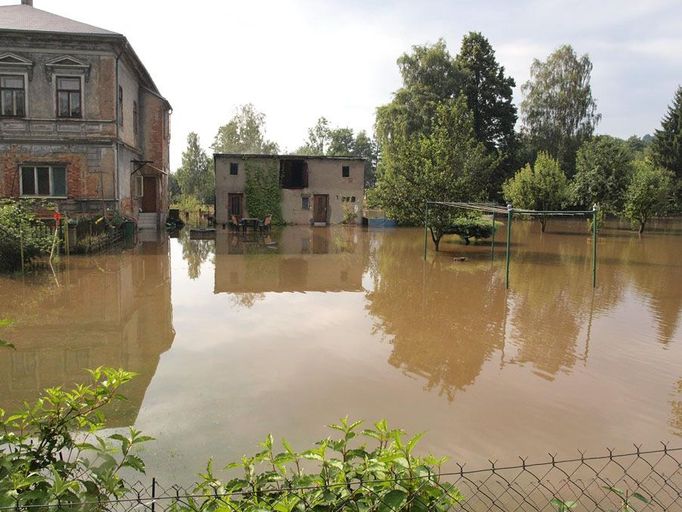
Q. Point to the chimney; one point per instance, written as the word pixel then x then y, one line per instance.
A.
pixel 27 2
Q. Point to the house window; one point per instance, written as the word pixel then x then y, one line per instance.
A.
pixel 234 168
pixel 345 171
pixel 305 203
pixel 120 105
pixel 43 180
pixel 135 118
pixel 12 96
pixel 139 186
pixel 69 97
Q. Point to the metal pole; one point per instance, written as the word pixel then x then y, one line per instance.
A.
pixel 594 246
pixel 492 252
pixel 426 220
pixel 509 222
pixel 153 507
pixel 21 248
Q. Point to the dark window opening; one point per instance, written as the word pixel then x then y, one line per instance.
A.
pixel 345 171
pixel 305 203
pixel 68 97
pixel 293 174
pixel 234 168
pixel 12 96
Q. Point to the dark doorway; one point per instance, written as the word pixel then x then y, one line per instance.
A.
pixel 235 205
pixel 320 208
pixel 149 195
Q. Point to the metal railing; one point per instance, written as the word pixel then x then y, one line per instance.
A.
pixel 639 480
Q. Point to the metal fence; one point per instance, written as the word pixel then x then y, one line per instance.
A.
pixel 640 480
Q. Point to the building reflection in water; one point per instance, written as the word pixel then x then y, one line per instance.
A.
pixel 293 259
pixel 104 310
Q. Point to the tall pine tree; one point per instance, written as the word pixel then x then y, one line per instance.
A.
pixel 666 147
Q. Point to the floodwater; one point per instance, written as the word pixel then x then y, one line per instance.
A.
pixel 236 338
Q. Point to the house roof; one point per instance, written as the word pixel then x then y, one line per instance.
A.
pixel 245 156
pixel 25 18
pixel 29 19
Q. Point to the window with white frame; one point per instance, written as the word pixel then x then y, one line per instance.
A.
pixel 43 180
pixel 139 186
pixel 12 95
pixel 69 96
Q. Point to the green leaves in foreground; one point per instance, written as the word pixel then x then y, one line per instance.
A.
pixel 50 452
pixel 370 469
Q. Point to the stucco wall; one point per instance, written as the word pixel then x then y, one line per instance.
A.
pixel 324 177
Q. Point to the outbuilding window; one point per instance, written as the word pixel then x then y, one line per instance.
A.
pixel 12 96
pixel 345 171
pixel 234 168
pixel 43 180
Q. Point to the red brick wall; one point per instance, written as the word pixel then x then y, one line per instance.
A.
pixel 80 183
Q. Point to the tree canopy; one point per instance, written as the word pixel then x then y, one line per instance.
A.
pixel 558 109
pixel 543 186
pixel 195 176
pixel 603 170
pixel 648 194
pixel 666 146
pixel 244 133
pixel 448 164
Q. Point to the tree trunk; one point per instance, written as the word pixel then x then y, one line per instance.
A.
pixel 543 223
pixel 641 226
pixel 436 239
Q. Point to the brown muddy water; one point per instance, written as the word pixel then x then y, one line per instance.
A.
pixel 235 338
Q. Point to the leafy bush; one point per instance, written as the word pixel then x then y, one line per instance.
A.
pixel 470 225
pixel 649 193
pixel 50 453
pixel 339 474
pixel 467 228
pixel 20 227
pixel 262 191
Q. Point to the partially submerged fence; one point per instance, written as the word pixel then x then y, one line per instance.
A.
pixel 640 480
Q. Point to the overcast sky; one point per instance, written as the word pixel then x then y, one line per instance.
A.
pixel 297 60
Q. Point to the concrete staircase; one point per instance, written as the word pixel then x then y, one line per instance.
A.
pixel 148 221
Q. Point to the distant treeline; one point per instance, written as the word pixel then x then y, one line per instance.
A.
pixel 450 133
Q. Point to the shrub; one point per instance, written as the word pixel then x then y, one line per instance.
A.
pixel 467 228
pixel 20 227
pixel 339 474
pixel 50 453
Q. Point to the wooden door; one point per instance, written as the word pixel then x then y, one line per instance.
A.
pixel 149 194
pixel 320 208
pixel 235 205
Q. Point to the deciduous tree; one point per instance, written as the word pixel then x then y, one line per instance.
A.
pixel 558 110
pixel 195 175
pixel 648 194
pixel 603 169
pixel 244 133
pixel 543 186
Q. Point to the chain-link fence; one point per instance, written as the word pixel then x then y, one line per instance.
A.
pixel 640 480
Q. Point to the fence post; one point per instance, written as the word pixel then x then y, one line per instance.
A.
pixel 153 494
pixel 21 248
pixel 509 228
pixel 426 221
pixel 492 252
pixel 594 245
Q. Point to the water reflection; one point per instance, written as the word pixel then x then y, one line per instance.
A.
pixel 195 252
pixel 294 259
pixel 112 310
